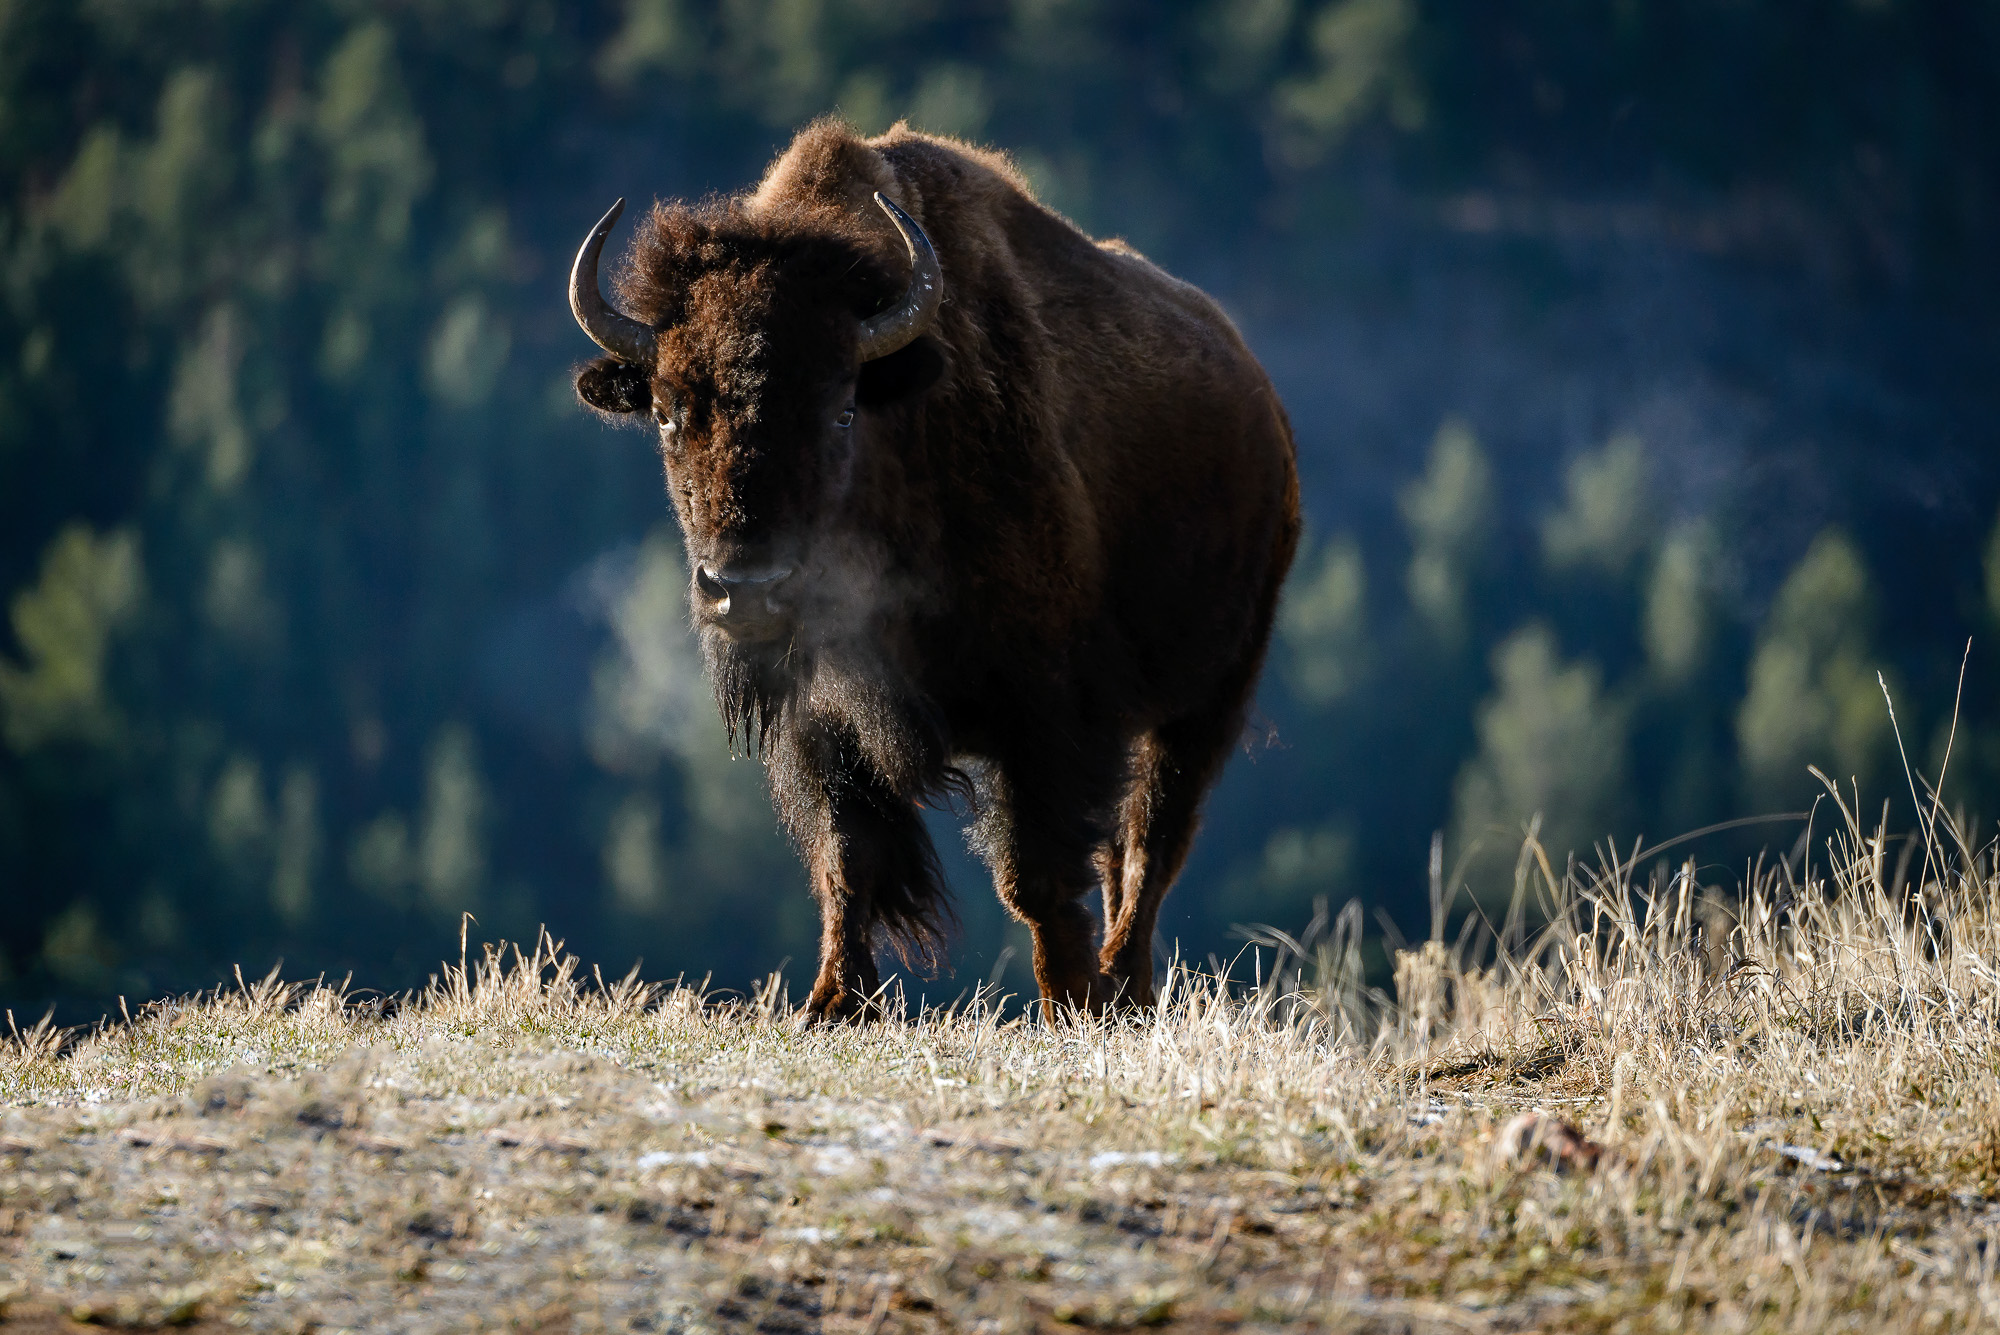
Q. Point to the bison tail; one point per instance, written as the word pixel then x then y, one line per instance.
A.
pixel 911 901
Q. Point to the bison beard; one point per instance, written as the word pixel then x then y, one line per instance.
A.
pixel 1013 537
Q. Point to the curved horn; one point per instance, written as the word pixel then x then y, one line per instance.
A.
pixel 900 325
pixel 617 333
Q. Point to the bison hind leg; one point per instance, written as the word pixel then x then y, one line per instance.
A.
pixel 1045 810
pixel 1172 770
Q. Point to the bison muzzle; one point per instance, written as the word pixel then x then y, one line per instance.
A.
pixel 975 507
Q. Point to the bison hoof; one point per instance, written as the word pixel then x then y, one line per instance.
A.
pixel 843 1007
pixel 1115 995
pixel 1098 996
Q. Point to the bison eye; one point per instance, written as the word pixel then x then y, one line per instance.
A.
pixel 664 416
pixel 845 420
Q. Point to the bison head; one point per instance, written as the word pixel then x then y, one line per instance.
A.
pixel 772 354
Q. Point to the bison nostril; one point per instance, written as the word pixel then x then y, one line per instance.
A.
pixel 712 587
pixel 741 597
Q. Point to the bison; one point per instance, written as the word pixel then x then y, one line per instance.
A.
pixel 975 508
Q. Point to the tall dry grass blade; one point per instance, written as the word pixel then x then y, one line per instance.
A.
pixel 1915 799
pixel 1435 882
pixel 1937 792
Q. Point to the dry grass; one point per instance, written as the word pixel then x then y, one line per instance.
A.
pixel 1799 1108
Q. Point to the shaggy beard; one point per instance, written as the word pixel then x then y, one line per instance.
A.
pixel 850 690
pixel 754 690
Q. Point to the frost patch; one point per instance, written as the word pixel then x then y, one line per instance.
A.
pixel 1136 1158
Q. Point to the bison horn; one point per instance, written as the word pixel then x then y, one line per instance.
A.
pixel 900 325
pixel 609 328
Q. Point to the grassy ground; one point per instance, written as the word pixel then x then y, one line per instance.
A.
pixel 1792 1115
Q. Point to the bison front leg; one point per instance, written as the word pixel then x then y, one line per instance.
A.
pixel 848 982
pixel 874 872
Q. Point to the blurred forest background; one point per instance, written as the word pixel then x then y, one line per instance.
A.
pixel 1642 356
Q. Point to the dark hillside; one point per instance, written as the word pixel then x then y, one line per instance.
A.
pixel 1642 357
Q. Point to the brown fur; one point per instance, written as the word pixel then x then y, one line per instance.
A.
pixel 1045 556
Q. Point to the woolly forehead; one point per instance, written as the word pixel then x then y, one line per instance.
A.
pixel 747 338
pixel 747 310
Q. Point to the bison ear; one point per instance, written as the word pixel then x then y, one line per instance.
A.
pixel 612 386
pixel 903 374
